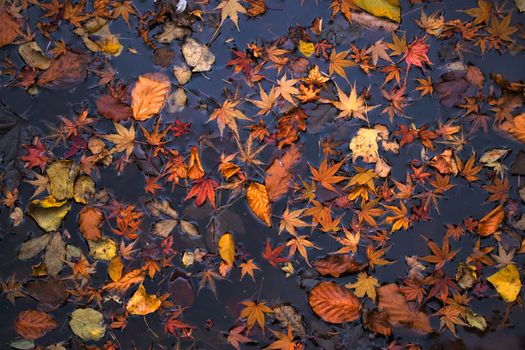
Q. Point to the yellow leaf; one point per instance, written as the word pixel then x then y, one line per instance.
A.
pixel 507 282
pixel 142 303
pixel 381 8
pixel 364 145
pixel 306 48
pixel 254 313
pixel 124 139
pixel 259 202
pixel 115 269
pixel 48 212
pixel 149 94
pixel 103 249
pixel 227 248
pixel 365 285
pixel 62 175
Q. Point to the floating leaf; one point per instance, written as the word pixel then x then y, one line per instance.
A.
pixel 338 264
pixel 227 248
pixel 381 8
pixel 149 94
pixel 89 221
pixel 33 56
pixel 62 175
pixel 142 303
pixel 83 189
pixel 259 202
pixel 55 254
pixel 507 282
pixel 334 303
pixel 33 324
pixel 197 55
pixel 115 268
pixel 88 324
pixel 102 249
pixel 33 247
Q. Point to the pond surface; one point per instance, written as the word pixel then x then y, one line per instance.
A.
pixel 214 314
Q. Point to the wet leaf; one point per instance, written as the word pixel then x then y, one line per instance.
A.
pixel 34 324
pixel 31 248
pixel 83 189
pixel 65 71
pixel 148 95
pixel 88 324
pixel 334 303
pixel 507 282
pixel 336 265
pixel 381 8
pixel 227 248
pixel 115 268
pixel 259 203
pixel 89 221
pixel 288 316
pixel 142 303
pixel 102 249
pixel 197 56
pixel 55 254
pixel 33 56
pixel 62 175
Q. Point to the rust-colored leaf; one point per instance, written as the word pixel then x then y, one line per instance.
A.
pixel 334 303
pixel 490 222
pixel 257 197
pixel 149 94
pixel 89 222
pixel 33 324
pixel 337 265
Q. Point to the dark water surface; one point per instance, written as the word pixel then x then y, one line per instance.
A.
pixel 42 111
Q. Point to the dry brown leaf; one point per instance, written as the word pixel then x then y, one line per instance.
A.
pixel 338 264
pixel 33 324
pixel 278 175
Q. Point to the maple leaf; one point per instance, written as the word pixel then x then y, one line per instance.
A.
pixel 503 258
pixel 173 324
pixel 338 63
pixel 440 255
pixel 469 171
pixel 208 277
pixel 283 342
pixel 425 86
pixel 375 257
pixel 203 189
pixel 398 45
pixel 254 313
pixel 227 115
pixel 399 220
pixel 124 139
pixel 267 101
pixel 231 9
pixel 278 174
pixel 364 285
pixel 300 243
pixel 502 29
pixel 349 242
pixel 416 53
pixel 241 62
pixel 248 267
pixel 499 190
pixel 36 155
pixel 351 105
pixel 326 175
pixel 285 88
pixel 449 317
pixel 369 211
pixel 258 7
pixel 378 50
pixel 289 125
pixel 481 13
pixel 123 9
pixel 236 338
pixel 273 256
pixel 290 220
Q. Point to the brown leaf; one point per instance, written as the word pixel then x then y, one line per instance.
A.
pixel 338 264
pixel 112 108
pixel 33 324
pixel 334 303
pixel 149 94
pixel 490 222
pixel 259 203
pixel 89 221
pixel 10 28
pixel 278 175
pixel 475 76
pixel 377 321
pixel 65 71
pixel 395 305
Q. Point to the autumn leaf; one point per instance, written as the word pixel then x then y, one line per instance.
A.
pixel 124 139
pixel 149 94
pixel 34 324
pixel 203 189
pixel 231 9
pixel 248 267
pixel 227 248
pixel 278 174
pixel 226 115
pixel 334 303
pixel 351 105
pixel 326 175
pixel 338 63
pixel 417 53
pixel 489 224
pixel 236 338
pixel 507 282
pixel 284 341
pixel 89 221
pixel 142 303
pixel 115 269
pixel 290 220
pixel 259 203
pixel 336 265
pixel 274 255
pixel 254 312
pixel 365 285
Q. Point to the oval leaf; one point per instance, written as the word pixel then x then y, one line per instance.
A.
pixel 334 303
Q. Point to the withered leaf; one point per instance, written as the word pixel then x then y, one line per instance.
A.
pixel 336 265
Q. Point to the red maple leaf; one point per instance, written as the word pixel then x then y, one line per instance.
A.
pixel 273 256
pixel 173 324
pixel 202 189
pixel 417 53
pixel 36 155
pixel 241 62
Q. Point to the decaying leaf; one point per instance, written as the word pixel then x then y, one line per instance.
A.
pixel 55 254
pixel 33 324
pixel 89 221
pixel 336 265
pixel 48 213
pixel 102 249
pixel 88 324
pixel 142 303
pixel 197 56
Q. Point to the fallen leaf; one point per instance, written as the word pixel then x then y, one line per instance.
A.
pixel 55 254
pixel 227 248
pixel 259 203
pixel 48 213
pixel 89 221
pixel 381 8
pixel 148 95
pixel 34 324
pixel 115 269
pixel 507 282
pixel 102 249
pixel 336 265
pixel 142 303
pixel 88 324
pixel 33 56
pixel 334 303
pixel 365 285
pixel 197 55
